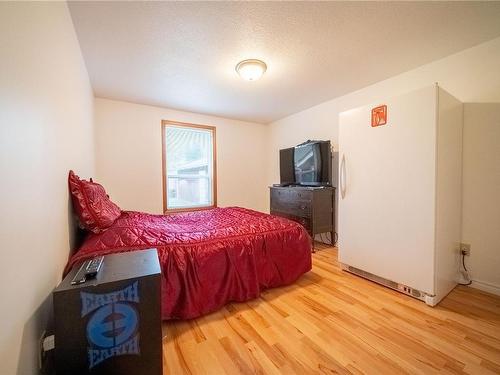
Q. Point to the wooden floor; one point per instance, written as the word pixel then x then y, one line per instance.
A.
pixel 332 322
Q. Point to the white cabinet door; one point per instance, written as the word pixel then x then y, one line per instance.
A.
pixel 387 190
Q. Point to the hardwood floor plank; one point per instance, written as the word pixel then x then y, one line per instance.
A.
pixel 243 366
pixel 333 322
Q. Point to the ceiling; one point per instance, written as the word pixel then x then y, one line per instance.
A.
pixel 182 55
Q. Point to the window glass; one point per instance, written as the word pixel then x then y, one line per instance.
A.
pixel 189 167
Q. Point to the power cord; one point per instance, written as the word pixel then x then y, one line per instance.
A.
pixel 466 273
pixel 332 241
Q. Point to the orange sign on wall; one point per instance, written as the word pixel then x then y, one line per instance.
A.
pixel 379 116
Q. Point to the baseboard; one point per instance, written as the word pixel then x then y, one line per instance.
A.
pixel 486 287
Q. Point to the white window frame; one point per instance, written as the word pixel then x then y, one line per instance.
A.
pixel 164 125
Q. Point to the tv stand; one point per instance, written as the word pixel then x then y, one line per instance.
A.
pixel 313 207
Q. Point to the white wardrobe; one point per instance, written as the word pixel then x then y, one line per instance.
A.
pixel 400 193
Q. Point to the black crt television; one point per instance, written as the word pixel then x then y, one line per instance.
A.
pixel 308 164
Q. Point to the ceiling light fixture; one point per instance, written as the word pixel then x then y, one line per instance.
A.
pixel 251 70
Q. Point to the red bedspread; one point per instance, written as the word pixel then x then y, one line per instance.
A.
pixel 209 258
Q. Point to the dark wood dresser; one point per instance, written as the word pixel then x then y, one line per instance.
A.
pixel 313 207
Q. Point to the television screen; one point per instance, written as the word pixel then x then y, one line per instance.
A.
pixel 307 163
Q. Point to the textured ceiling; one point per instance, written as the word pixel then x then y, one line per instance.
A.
pixel 182 55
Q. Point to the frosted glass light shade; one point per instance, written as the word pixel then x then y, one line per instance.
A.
pixel 251 70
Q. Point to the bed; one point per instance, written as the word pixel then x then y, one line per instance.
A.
pixel 208 258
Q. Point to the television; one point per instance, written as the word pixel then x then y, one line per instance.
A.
pixel 307 164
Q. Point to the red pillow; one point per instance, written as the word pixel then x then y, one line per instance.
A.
pixel 92 205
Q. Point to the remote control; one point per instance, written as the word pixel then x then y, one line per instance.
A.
pixel 93 267
pixel 87 270
pixel 80 275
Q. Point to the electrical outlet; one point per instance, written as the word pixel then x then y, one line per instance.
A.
pixel 465 249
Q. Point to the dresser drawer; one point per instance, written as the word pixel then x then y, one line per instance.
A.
pixel 304 221
pixel 302 209
pixel 300 195
pixel 280 195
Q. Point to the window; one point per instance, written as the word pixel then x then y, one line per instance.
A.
pixel 189 168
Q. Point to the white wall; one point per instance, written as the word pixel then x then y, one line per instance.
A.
pixel 472 75
pixel 481 193
pixel 129 156
pixel 46 128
